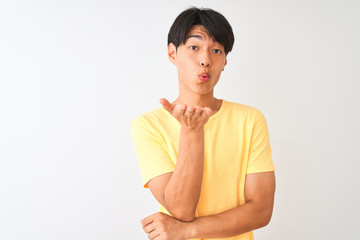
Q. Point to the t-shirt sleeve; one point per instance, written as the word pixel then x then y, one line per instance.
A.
pixel 260 159
pixel 152 156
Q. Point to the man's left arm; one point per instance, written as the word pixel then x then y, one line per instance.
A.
pixel 253 214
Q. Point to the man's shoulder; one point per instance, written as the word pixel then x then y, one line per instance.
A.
pixel 235 107
pixel 154 113
pixel 152 116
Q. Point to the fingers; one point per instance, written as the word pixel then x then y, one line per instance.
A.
pixel 149 225
pixel 149 219
pixel 190 110
pixel 167 105
pixel 208 110
pixel 193 117
pixel 149 228
pixel 197 112
pixel 164 101
pixel 154 235
pixel 179 109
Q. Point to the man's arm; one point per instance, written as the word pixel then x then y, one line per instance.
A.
pixel 254 214
pixel 179 191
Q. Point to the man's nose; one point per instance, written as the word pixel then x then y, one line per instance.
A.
pixel 205 61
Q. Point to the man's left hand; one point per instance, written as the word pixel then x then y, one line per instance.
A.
pixel 160 226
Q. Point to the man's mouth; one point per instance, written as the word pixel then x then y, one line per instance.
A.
pixel 204 77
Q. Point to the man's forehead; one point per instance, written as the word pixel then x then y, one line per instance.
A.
pixel 201 37
pixel 198 36
pixel 198 32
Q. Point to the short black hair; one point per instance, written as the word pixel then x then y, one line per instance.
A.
pixel 214 22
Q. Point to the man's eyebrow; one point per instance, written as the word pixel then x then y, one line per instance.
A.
pixel 195 36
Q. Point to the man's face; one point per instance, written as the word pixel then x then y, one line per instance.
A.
pixel 199 62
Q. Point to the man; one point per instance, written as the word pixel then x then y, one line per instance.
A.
pixel 207 161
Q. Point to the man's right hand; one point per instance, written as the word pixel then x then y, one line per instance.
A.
pixel 179 191
pixel 190 117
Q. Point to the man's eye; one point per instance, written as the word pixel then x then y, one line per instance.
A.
pixel 216 51
pixel 193 48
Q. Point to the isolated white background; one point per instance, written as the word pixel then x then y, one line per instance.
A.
pixel 73 74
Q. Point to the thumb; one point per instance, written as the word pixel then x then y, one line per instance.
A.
pixel 167 105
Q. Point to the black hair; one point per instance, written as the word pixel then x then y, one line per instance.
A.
pixel 214 22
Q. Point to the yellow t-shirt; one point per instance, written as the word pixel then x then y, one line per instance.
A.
pixel 236 143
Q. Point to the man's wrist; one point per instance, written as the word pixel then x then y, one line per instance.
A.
pixel 190 230
pixel 192 130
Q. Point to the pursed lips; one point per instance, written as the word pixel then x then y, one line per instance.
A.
pixel 204 77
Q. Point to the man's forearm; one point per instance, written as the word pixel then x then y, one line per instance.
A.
pixel 230 223
pixel 182 192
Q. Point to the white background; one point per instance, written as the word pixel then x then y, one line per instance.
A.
pixel 73 74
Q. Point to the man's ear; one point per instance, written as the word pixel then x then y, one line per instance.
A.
pixel 172 53
pixel 225 63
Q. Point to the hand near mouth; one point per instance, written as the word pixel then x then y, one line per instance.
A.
pixel 190 117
